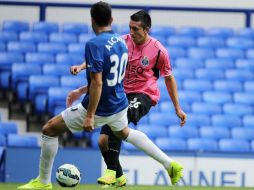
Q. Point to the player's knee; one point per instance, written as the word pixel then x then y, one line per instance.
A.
pixel 47 128
pixel 103 142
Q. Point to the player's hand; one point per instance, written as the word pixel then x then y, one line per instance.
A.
pixel 88 124
pixel 75 69
pixel 180 113
pixel 71 97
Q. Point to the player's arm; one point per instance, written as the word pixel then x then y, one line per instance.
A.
pixel 75 95
pixel 173 93
pixel 95 90
pixel 75 69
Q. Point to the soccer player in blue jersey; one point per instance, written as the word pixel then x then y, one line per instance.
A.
pixel 105 102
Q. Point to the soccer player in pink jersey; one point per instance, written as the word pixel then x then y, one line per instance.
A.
pixel 147 61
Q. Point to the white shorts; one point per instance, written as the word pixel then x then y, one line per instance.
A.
pixel 74 118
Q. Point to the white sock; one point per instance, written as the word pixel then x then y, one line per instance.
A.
pixel 142 142
pixel 49 148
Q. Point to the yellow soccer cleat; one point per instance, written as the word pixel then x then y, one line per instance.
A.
pixel 109 178
pixel 35 184
pixel 121 181
pixel 175 172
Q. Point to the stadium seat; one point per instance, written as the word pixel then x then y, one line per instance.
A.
pixel 129 147
pixel 210 42
pixel 163 119
pixel 190 31
pixel 237 109
pixel 248 121
pixel 172 144
pixel 182 133
pixel 222 32
pixel 225 120
pixel 250 54
pixel 202 145
pixel 209 74
pixel 197 85
pixel 64 38
pixel 15 26
pixel 8 58
pixel 242 133
pixel 75 28
pixel 249 86
pixel 219 63
pixel 56 70
pixel 7 128
pixel 175 52
pixel 40 58
pixel 231 53
pixel 2 141
pixel 217 97
pixel 83 38
pixel 206 108
pixel 33 37
pixel 21 47
pixel 94 138
pixel 159 30
pixel 247 64
pixel 213 132
pixel 200 53
pixel 78 48
pixel 69 59
pixel 234 145
pixel 227 86
pixel 239 43
pixel 53 48
pixel 188 63
pixel 153 132
pixel 45 27
pixel 245 33
pixel 252 146
pixel 239 75
pixel 8 37
pixel 181 74
pixel 15 140
pixel 161 39
pixel 244 98
pixel 198 120
pixel 2 46
pixel 187 96
pixel 181 41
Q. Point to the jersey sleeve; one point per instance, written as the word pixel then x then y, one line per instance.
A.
pixel 94 58
pixel 164 63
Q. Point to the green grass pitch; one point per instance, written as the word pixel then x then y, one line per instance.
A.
pixel 8 186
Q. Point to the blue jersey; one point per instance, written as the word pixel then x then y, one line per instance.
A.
pixel 107 53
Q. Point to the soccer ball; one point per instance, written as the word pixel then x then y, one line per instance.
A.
pixel 68 175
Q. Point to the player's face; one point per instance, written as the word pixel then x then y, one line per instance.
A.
pixel 137 32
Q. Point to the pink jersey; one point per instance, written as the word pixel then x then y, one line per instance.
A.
pixel 139 76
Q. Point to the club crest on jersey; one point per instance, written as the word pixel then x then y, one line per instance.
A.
pixel 145 61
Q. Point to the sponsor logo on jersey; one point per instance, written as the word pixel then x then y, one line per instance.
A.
pixel 145 61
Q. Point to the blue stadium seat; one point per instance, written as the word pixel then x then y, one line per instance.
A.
pixel 181 74
pixel 163 119
pixel 231 53
pixel 7 128
pixel 153 132
pixel 172 144
pixel 209 74
pixel 189 96
pixel 161 39
pixel 210 42
pixel 129 147
pixel 2 46
pixel 15 26
pixel 233 145
pixel 222 32
pixel 250 54
pixel 2 142
pixel 65 38
pixel 206 108
pixel 213 132
pixel 248 121
pixel 125 29
pixel 242 133
pixel 247 64
pixel 55 70
pixel 239 43
pixel 159 30
pixel 239 75
pixel 225 120
pixel 200 53
pixel 198 120
pixel 75 28
pixel 188 63
pixel 202 145
pixel 40 58
pixel 181 41
pixel 78 48
pixel 8 58
pixel 245 33
pixel 53 48
pixel 244 98
pixel 21 47
pixel 219 63
pixel 237 109
pixel 83 38
pixel 45 27
pixel 72 81
pixel 249 86
pixel 191 31
pixel 69 59
pixel 227 86
pixel 197 85
pixel 217 97
pixel 8 36
pixel 166 106
pixel 252 146
pixel 34 37
pixel 175 52
pixel 184 133
pixel 15 140
pixel 94 138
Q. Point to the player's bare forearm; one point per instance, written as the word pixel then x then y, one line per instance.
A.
pixel 172 90
pixel 82 90
pixel 75 69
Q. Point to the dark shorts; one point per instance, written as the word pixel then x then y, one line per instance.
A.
pixel 139 106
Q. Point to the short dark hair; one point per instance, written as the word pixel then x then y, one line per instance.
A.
pixel 144 17
pixel 101 13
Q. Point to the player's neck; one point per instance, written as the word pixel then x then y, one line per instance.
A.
pixel 103 29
